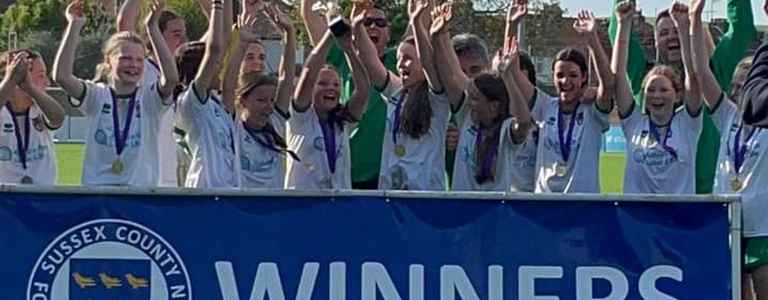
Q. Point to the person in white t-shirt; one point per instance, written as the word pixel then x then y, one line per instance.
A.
pixel 418 110
pixel 206 116
pixel 262 103
pixel 571 125
pixel 495 131
pixel 319 127
pixel 661 143
pixel 28 116
pixel 123 115
pixel 742 164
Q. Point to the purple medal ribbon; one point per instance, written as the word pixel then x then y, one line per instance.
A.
pixel 121 136
pixel 21 145
pixel 739 150
pixel 329 136
pixel 656 135
pixel 487 163
pixel 396 122
pixel 269 143
pixel 565 142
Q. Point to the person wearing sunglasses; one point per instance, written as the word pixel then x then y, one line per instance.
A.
pixel 366 143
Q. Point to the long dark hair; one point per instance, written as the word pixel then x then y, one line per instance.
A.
pixel 188 58
pixel 246 83
pixel 417 111
pixel 574 56
pixel 492 87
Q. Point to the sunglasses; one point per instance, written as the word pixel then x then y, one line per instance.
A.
pixel 380 22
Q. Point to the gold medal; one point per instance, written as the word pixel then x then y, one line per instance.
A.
pixel 399 150
pixel 736 184
pixel 27 180
pixel 117 166
pixel 561 170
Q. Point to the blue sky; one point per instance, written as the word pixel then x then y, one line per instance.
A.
pixel 650 7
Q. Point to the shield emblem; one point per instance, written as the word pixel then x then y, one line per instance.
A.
pixel 38 123
pixel 125 279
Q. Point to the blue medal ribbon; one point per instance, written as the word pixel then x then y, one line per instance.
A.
pixel 739 149
pixel 21 145
pixel 663 141
pixel 269 141
pixel 487 163
pixel 329 136
pixel 565 141
pixel 121 136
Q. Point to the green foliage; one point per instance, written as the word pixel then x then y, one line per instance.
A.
pixel 193 16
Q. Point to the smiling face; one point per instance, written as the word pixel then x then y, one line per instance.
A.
pixel 257 106
pixel 660 95
pixel 379 35
pixel 126 63
pixel 569 80
pixel 483 110
pixel 327 90
pixel 667 42
pixel 409 65
pixel 255 59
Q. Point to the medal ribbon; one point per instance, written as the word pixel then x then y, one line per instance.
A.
pixel 487 163
pixel 121 136
pixel 565 141
pixel 739 150
pixel 663 141
pixel 396 122
pixel 269 142
pixel 329 136
pixel 21 145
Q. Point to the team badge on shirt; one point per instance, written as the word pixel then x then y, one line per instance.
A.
pixel 38 123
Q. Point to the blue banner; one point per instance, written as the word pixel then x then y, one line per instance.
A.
pixel 99 247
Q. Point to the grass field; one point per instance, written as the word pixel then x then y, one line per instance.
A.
pixel 70 158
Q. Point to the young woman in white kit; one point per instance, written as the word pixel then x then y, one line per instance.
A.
pixel 123 115
pixel 742 166
pixel 263 104
pixel 662 143
pixel 206 116
pixel 28 116
pixel 418 110
pixel 319 127
pixel 571 125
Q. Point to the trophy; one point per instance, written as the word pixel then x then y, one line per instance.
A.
pixel 330 8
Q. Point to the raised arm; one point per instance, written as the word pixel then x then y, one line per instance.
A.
pixel 377 72
pixel 755 93
pixel 128 15
pixel 65 57
pixel 446 62
pixel 423 46
pixel 624 14
pixel 286 73
pixel 637 64
pixel 516 12
pixel 313 21
pixel 214 48
pixel 54 113
pixel 518 104
pixel 680 17
pixel 586 26
pixel 169 76
pixel 710 88
pixel 15 73
pixel 359 98
pixel 303 96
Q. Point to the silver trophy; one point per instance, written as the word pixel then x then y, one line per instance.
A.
pixel 328 8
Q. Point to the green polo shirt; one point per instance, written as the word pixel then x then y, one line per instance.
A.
pixel 365 143
pixel 729 51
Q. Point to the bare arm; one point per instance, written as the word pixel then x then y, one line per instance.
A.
pixel 214 48
pixel 446 62
pixel 377 72
pixel 423 47
pixel 518 104
pixel 128 15
pixel 51 108
pixel 303 95
pixel 710 88
pixel 15 74
pixel 586 26
pixel 624 98
pixel 65 58
pixel 359 99
pixel 692 92
pixel 286 72
pixel 169 76
pixel 314 22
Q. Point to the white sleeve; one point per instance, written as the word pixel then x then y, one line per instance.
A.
pixel 601 117
pixel 189 107
pixel 392 88
pixel 630 122
pixel 300 119
pixel 540 99
pixel 723 112
pixel 153 100
pixel 692 125
pixel 94 95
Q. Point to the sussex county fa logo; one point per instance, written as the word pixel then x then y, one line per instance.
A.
pixel 109 259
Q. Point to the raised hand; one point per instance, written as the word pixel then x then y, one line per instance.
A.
pixel 441 18
pixel 279 18
pixel 509 59
pixel 417 8
pixel 625 10
pixel 516 11
pixel 679 13
pixel 75 12
pixel 697 7
pixel 17 69
pixel 155 10
pixel 249 33
pixel 585 25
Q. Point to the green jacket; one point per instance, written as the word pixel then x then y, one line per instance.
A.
pixel 728 52
pixel 365 144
